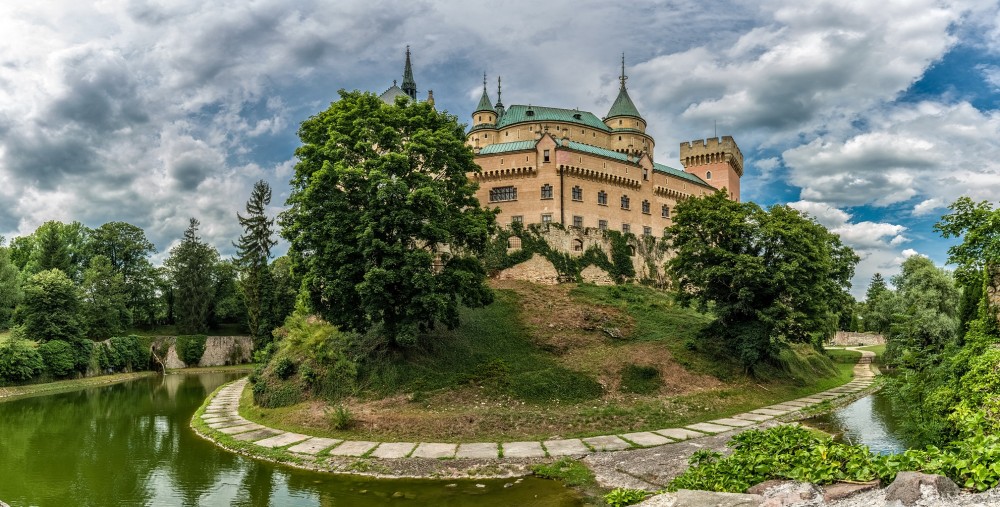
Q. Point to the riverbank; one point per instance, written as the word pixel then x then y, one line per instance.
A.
pixel 641 459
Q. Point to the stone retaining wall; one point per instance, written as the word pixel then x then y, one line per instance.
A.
pixel 848 339
pixel 219 351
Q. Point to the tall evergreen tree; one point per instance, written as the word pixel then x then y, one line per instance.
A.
pixel 191 265
pixel 53 250
pixel 253 254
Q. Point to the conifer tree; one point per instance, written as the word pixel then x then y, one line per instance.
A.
pixel 191 266
pixel 253 254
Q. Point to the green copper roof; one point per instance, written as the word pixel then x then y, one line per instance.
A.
pixel 505 147
pixel 484 103
pixel 594 150
pixel 680 174
pixel 623 106
pixel 519 114
pixel 409 85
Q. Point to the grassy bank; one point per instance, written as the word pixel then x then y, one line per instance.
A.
pixel 565 361
pixel 60 386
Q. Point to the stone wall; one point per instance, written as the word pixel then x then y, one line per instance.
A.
pixel 848 339
pixel 993 290
pixel 219 351
pixel 537 269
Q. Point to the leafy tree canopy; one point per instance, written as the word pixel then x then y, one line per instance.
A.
pixel 378 190
pixel 51 307
pixel 978 224
pixel 770 275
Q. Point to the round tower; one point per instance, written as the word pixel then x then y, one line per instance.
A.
pixel 627 125
pixel 484 122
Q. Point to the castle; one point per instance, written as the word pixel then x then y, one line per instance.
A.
pixel 567 166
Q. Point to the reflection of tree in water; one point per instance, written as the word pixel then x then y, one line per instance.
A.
pixel 256 487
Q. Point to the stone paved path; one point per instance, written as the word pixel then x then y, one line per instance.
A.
pixel 222 415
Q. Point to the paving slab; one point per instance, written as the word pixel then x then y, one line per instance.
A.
pixel 606 443
pixel 282 440
pixel 477 450
pixel 523 450
pixel 213 420
pixel 798 404
pixel 566 447
pixel 646 438
pixel 811 400
pixel 709 427
pixel 393 450
pixel 228 424
pixel 256 435
pixel 232 430
pixel 784 406
pixel 753 417
pixel 680 433
pixel 731 421
pixel 434 450
pixel 314 445
pixel 353 448
pixel 769 411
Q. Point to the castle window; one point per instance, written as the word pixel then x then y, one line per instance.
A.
pixel 647 231
pixel 514 242
pixel 619 138
pixel 619 122
pixel 626 229
pixel 506 134
pixel 578 221
pixel 645 207
pixel 501 161
pixel 501 194
pixel 602 225
pixel 577 193
pixel 578 244
pixel 516 219
pixel 545 156
pixel 486 136
pixel 602 198
pixel 625 202
pixel 547 218
pixel 645 174
pixel 708 175
pixel 665 211
pixel 480 118
pixel 546 191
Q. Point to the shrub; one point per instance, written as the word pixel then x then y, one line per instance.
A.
pixel 190 348
pixel 284 368
pixel 640 379
pixel 19 361
pixel 620 497
pixel 271 395
pixel 340 418
pixel 59 358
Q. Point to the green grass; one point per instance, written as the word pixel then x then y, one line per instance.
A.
pixel 570 471
pixel 879 350
pixel 843 356
pixel 61 386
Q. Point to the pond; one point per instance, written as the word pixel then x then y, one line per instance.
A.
pixel 867 421
pixel 130 444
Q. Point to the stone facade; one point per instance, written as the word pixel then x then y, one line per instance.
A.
pixel 537 269
pixel 219 351
pixel 848 339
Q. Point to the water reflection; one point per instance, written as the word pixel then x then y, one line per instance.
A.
pixel 130 444
pixel 867 421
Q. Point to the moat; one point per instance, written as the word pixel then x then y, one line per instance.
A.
pixel 130 444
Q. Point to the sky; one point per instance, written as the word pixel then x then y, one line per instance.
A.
pixel 870 116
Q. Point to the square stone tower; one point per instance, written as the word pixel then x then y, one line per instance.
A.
pixel 716 160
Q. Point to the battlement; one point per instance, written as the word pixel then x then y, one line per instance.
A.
pixel 710 151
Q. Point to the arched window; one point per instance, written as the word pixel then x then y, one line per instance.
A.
pixel 708 175
pixel 577 245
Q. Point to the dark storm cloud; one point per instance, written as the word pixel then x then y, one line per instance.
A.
pixel 101 95
pixel 44 159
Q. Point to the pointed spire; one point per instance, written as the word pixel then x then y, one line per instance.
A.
pixel 499 108
pixel 409 85
pixel 485 104
pixel 623 105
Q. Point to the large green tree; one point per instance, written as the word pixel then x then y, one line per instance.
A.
pixel 378 192
pixel 252 257
pixel 51 307
pixel 770 276
pixel 126 248
pixel 61 246
pixel 191 266
pixel 978 224
pixel 10 286
pixel 105 300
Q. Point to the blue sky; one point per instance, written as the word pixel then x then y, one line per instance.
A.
pixel 870 116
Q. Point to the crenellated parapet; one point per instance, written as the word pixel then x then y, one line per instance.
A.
pixel 713 150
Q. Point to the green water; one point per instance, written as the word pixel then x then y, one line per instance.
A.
pixel 130 444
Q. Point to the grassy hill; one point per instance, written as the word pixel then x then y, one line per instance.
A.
pixel 545 361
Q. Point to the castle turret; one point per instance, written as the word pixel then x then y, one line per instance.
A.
pixel 499 107
pixel 485 114
pixel 409 85
pixel 627 124
pixel 718 161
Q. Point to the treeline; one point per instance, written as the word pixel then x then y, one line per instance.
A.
pixel 66 286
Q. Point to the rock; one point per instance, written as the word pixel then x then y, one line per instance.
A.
pixel 661 500
pixel 789 493
pixel 691 498
pixel 3 504
pixel 909 487
pixel 759 489
pixel 840 490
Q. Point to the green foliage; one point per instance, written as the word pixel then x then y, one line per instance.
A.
pixel 190 348
pixel 284 368
pixel 340 418
pixel 253 254
pixel 285 289
pixel 59 358
pixel 121 353
pixel 51 307
pixel 978 224
pixel 620 497
pixel 19 360
pixel 640 379
pixel 377 190
pixel 105 300
pixel 190 267
pixel 554 384
pixel 568 470
pixel 127 249
pixel 770 275
pixel 228 305
pixel 926 320
pixel 10 287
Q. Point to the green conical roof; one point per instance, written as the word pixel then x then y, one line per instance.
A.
pixel 409 85
pixel 485 104
pixel 623 106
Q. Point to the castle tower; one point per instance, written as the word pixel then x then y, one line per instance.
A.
pixel 485 114
pixel 409 85
pixel 627 125
pixel 499 107
pixel 718 161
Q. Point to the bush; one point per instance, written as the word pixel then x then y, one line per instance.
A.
pixel 190 348
pixel 19 361
pixel 620 497
pixel 284 368
pixel 59 358
pixel 340 418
